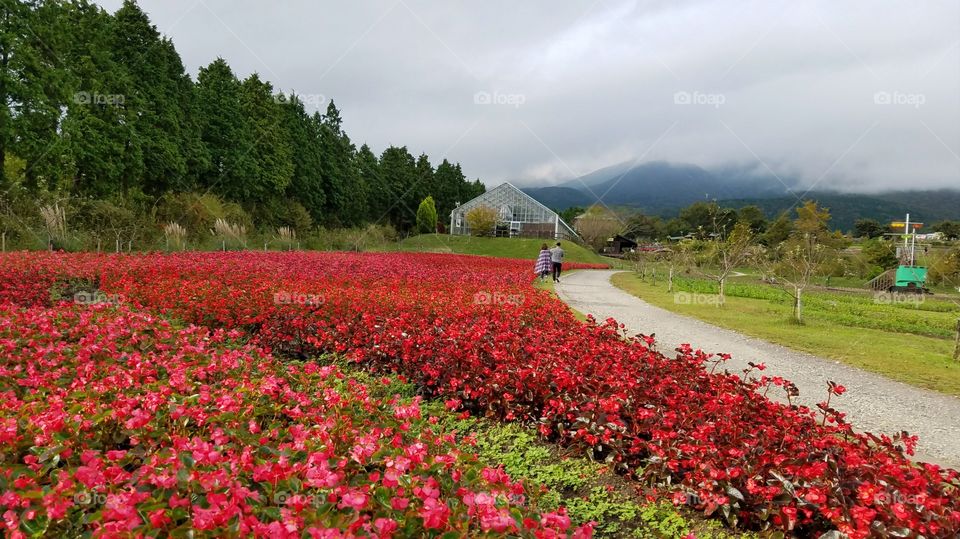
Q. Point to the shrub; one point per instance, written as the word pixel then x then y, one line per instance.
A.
pixel 197 212
pixel 427 216
pixel 112 226
pixel 128 426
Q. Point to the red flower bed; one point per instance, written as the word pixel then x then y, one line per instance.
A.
pixel 473 331
pixel 116 423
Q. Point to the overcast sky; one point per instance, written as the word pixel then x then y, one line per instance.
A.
pixel 849 95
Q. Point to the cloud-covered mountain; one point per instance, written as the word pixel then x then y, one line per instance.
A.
pixel 662 188
pixel 659 185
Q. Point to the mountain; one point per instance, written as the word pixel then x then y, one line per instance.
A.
pixel 660 188
pixel 845 208
pixel 655 186
pixel 559 198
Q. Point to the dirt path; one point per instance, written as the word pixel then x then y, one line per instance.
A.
pixel 872 403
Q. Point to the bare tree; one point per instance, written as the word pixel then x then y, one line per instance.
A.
pixel 716 259
pixel 806 254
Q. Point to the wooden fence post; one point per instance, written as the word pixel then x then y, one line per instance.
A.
pixel 956 346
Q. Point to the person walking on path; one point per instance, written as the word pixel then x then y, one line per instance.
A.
pixel 556 258
pixel 544 262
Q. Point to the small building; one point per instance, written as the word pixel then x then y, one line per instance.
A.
pixel 618 245
pixel 520 215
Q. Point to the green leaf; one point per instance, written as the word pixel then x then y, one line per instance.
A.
pixel 734 493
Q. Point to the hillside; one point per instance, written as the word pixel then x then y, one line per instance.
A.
pixel 924 206
pixel 660 188
pixel 523 248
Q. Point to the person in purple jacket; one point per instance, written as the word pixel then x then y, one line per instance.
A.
pixel 544 263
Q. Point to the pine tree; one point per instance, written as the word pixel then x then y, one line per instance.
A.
pixel 159 96
pixel 225 131
pixel 399 172
pixel 100 106
pixel 339 170
pixel 306 185
pixel 102 154
pixel 378 194
pixel 271 150
pixel 448 180
pixel 425 183
pixel 356 202
pixel 32 41
pixel 195 152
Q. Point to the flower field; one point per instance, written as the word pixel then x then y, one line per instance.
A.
pixel 179 390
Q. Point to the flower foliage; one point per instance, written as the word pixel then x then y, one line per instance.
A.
pixel 473 332
pixel 114 422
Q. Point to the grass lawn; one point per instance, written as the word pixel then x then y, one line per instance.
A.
pixel 912 359
pixel 524 248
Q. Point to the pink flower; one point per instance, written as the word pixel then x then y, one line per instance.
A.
pixel 434 514
pixel 385 526
pixel 89 476
pixel 139 418
pixel 353 499
pixel 555 520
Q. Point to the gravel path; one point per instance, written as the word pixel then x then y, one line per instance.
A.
pixel 872 403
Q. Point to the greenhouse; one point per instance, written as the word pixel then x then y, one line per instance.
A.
pixel 519 216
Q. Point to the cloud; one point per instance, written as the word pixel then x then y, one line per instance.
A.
pixel 853 96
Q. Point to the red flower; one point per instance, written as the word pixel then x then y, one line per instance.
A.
pixel 434 513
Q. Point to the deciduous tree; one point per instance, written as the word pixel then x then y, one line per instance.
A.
pixel 482 221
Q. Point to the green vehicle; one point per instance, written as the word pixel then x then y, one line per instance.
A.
pixel 909 278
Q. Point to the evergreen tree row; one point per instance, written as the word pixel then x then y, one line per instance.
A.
pixel 100 106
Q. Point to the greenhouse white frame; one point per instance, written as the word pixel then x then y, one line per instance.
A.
pixel 520 216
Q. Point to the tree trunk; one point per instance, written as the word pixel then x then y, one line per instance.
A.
pixel 4 64
pixel 670 281
pixel 798 305
pixel 721 297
